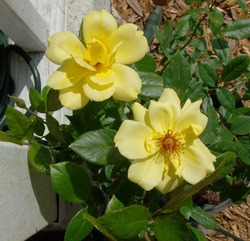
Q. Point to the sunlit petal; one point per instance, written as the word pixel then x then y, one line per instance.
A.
pixel 146 172
pixel 160 116
pixel 197 162
pixel 191 115
pixel 64 45
pixel 104 77
pixel 170 181
pixel 131 139
pixel 73 97
pixel 139 112
pixel 127 83
pixel 98 92
pixel 68 74
pixel 169 96
pixel 192 132
pixel 133 45
pixel 98 24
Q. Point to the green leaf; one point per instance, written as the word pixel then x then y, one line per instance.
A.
pixel 238 29
pixel 54 128
pixel 241 125
pixel 164 35
pixel 53 102
pixel 152 85
pixel 114 156
pixel 36 100
pixel 182 27
pixel 40 158
pixel 147 64
pixel 221 49
pixel 6 137
pixel 178 75
pixel 243 152
pixel 208 74
pixel 197 233
pixel 235 68
pixel 228 158
pixel 19 125
pixel 38 126
pixel 199 215
pixel 125 223
pixel 114 204
pixel 243 5
pixel 170 228
pixel 216 20
pixel 78 227
pixel 70 181
pixel 196 90
pixel 203 218
pixel 222 145
pixel 226 98
pixel 98 226
pixel 95 146
pixel 176 201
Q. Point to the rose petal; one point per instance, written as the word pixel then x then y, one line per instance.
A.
pixel 139 112
pixel 131 139
pixel 98 92
pixel 191 114
pixel 62 46
pixel 133 45
pixel 68 74
pixel 169 96
pixel 197 162
pixel 170 181
pixel 147 172
pixel 73 97
pixel 127 83
pixel 103 78
pixel 161 116
pixel 98 24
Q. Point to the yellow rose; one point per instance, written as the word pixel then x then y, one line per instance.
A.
pixel 163 143
pixel 96 69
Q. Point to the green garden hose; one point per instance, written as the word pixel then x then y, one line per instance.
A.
pixel 7 84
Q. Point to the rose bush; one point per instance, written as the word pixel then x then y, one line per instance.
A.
pixel 145 139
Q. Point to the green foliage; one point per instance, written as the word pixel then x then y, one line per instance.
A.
pixel 95 146
pixel 79 227
pixel 177 75
pixel 235 68
pixel 238 29
pixel 170 228
pixel 125 223
pixel 70 181
pixel 40 158
pixel 87 168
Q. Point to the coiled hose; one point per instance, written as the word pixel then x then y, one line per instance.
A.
pixel 7 84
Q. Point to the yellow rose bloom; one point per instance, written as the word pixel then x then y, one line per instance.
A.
pixel 96 69
pixel 163 143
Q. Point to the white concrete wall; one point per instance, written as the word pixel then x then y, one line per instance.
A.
pixel 27 201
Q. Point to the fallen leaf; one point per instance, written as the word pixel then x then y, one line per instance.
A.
pixel 134 4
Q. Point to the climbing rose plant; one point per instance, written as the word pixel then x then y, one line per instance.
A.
pixel 145 139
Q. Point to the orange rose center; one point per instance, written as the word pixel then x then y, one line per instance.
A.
pixel 171 143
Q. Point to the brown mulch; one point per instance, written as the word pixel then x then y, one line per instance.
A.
pixel 236 218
